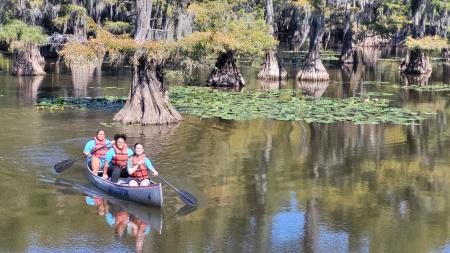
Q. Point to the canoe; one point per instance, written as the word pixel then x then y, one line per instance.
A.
pixel 148 195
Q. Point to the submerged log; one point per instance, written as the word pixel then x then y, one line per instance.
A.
pixel 313 68
pixel 416 63
pixel 148 100
pixel 226 72
pixel 272 69
pixel 29 62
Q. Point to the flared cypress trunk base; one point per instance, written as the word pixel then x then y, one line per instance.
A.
pixel 271 68
pixel 29 63
pixel 226 73
pixel 148 101
pixel 313 71
pixel 416 63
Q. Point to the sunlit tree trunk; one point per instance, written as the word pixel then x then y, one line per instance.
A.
pixel 313 68
pixel 29 62
pixel 148 100
pixel 144 13
pixel 271 69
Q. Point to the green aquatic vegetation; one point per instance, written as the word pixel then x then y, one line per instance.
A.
pixel 431 87
pixel 275 104
pixel 287 105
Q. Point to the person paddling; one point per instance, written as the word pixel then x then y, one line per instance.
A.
pixel 138 167
pixel 116 159
pixel 96 150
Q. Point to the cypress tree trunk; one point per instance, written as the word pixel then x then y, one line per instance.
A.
pixel 79 25
pixel 313 68
pixel 29 62
pixel 148 100
pixel 144 9
pixel 348 55
pixel 445 54
pixel 226 72
pixel 271 69
pixel 416 63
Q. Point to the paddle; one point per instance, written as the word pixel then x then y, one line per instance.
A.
pixel 186 197
pixel 64 165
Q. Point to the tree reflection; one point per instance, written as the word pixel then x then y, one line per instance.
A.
pixel 27 89
pixel 312 88
pixel 81 75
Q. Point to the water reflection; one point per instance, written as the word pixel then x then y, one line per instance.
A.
pixel 27 89
pixel 312 88
pixel 81 76
pixel 127 219
pixel 419 80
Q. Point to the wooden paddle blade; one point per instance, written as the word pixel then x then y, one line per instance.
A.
pixel 62 166
pixel 185 210
pixel 187 198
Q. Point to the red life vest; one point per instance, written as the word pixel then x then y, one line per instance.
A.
pixel 100 153
pixel 121 157
pixel 141 172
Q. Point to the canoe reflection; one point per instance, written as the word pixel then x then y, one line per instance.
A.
pixel 127 218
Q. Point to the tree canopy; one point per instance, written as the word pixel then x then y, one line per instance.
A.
pixel 18 35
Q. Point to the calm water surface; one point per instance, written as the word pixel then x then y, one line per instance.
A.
pixel 264 185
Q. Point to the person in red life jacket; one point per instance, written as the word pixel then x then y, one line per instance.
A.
pixel 96 150
pixel 139 166
pixel 116 160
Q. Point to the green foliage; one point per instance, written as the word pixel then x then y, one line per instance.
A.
pixel 223 26
pixel 118 27
pixel 427 43
pixel 275 104
pixel 19 35
pixel 432 87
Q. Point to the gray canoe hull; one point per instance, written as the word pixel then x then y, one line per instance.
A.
pixel 149 195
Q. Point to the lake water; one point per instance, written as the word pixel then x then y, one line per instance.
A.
pixel 263 185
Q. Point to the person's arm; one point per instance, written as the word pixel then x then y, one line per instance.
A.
pixel 131 169
pixel 88 148
pixel 150 167
pixel 108 159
